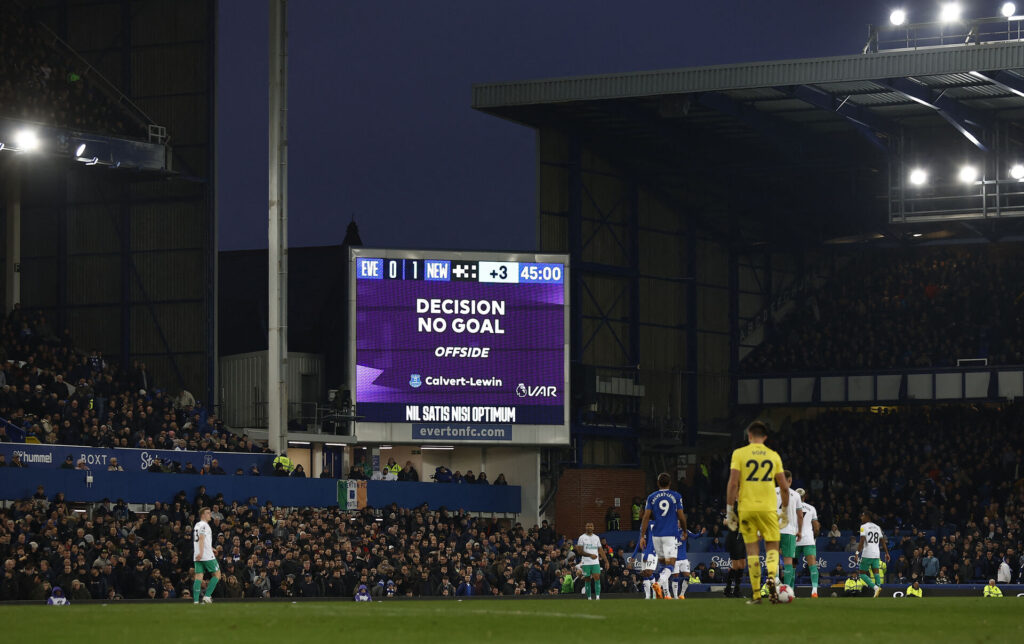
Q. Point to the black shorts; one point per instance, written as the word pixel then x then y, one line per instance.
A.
pixel 735 546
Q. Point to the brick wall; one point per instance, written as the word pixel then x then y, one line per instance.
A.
pixel 586 494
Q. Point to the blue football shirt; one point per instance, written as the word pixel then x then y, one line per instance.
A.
pixel 663 505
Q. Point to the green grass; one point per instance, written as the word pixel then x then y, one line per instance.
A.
pixel 526 621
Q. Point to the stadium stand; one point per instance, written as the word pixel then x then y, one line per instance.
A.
pixel 889 309
pixel 39 82
pixel 53 393
pixel 276 552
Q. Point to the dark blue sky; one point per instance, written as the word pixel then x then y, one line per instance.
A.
pixel 380 121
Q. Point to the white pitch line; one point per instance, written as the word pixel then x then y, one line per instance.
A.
pixel 531 614
pixel 514 613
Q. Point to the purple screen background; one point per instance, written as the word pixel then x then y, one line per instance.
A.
pixel 389 349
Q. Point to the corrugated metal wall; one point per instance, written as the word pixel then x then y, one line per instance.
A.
pixel 661 246
pixel 156 304
pixel 243 384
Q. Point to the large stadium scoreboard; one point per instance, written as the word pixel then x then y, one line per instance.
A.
pixel 459 346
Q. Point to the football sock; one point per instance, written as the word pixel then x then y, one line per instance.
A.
pixel 683 585
pixel 647 588
pixel 867 580
pixel 771 561
pixel 878 578
pixel 597 587
pixel 674 582
pixel 197 586
pixel 754 568
pixel 814 577
pixel 210 586
pixel 787 575
pixel 663 579
pixel 586 586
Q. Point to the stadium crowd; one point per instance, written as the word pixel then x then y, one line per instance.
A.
pixel 888 310
pixel 275 552
pixel 947 481
pixel 40 83
pixel 56 394
pixel 956 472
pixel 952 508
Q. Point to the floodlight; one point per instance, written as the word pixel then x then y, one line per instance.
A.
pixel 968 174
pixel 950 12
pixel 1009 9
pixel 1017 171
pixel 916 235
pixel 918 177
pixel 26 140
pixel 80 150
pixel 898 17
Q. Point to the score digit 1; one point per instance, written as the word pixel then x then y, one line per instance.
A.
pixel 414 269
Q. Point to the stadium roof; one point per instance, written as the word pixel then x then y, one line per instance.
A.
pixel 813 111
pixel 863 80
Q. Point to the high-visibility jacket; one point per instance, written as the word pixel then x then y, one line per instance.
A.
pixel 914 592
pixel 394 469
pixel 852 585
pixel 285 462
pixel 993 591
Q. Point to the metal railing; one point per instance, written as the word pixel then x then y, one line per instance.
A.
pixel 312 417
pixel 920 35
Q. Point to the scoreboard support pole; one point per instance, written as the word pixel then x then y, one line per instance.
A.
pixel 277 232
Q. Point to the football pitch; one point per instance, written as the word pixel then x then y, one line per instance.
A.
pixel 529 621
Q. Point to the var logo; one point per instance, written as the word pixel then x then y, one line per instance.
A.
pixel 415 381
pixel 535 391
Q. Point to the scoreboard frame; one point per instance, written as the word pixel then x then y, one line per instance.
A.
pixel 402 432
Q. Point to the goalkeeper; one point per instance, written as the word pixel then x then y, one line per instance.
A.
pixel 755 470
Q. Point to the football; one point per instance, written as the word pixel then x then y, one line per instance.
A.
pixel 785 593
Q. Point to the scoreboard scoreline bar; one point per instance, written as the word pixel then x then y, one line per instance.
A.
pixel 444 270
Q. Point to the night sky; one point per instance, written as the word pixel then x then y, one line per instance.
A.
pixel 380 124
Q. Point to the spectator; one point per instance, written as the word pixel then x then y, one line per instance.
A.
pixel 991 590
pixel 1003 576
pixel 215 467
pixel 299 472
pixel 68 463
pixel 57 598
pixel 442 474
pixel 931 567
pixel 113 465
pixel 465 588
pixel 914 590
pixel 500 480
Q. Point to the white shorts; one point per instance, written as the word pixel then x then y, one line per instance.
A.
pixel 682 565
pixel 666 547
pixel 650 562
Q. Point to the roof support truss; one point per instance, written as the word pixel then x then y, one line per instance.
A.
pixel 876 129
pixel 1006 80
pixel 966 120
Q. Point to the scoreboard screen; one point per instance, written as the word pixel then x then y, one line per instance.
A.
pixel 459 345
